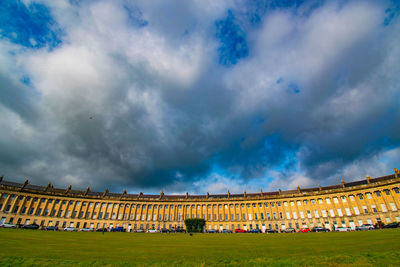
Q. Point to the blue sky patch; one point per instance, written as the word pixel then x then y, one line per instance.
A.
pixel 233 41
pixel 136 16
pixel 392 12
pixel 31 26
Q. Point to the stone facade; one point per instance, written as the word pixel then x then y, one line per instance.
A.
pixel 347 204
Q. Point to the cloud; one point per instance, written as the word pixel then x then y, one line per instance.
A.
pixel 197 95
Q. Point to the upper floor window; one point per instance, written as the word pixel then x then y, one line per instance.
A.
pixel 378 193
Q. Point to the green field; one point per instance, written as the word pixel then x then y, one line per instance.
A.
pixel 30 248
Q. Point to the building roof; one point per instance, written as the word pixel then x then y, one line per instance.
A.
pixel 68 192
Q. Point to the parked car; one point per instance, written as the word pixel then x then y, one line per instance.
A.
pixel 86 230
pixel 180 230
pixel 392 225
pixel 365 227
pixel 226 231
pixel 240 231
pixel 102 230
pixel 289 230
pixel 8 225
pixel 255 231
pixel 212 231
pixel 152 231
pixel 139 231
pixel 164 230
pixel 70 229
pixel 33 226
pixel 51 228
pixel 118 229
pixel 320 229
pixel 271 231
pixel 342 229
pixel 305 230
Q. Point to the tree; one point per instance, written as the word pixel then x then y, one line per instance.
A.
pixel 195 225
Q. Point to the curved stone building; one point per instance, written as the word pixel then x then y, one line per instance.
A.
pixel 347 204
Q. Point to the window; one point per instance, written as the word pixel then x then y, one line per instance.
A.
pixel 339 211
pixel 305 202
pixel 308 214
pixel 387 192
pixel 348 213
pixel 298 203
pixel 343 199
pixel 351 197
pixel 323 213
pixel 369 196
pixel 378 194
pixel 360 196
pixel 373 207
pixel 320 200
pixel 335 200
pixel 396 190
pixel 285 203
pixel 274 215
pixel 365 209
pixel 383 206
pixel 287 215
pixel 328 201
pixel 279 204
pixel 356 211
pixel 393 206
pixel 291 203
pixel 316 214
pixel 331 213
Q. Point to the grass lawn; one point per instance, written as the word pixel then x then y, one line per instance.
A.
pixel 33 247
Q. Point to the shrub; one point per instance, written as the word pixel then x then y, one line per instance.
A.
pixel 195 225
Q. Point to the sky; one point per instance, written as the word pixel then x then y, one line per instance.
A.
pixel 198 95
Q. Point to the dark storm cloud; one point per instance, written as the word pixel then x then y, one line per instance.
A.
pixel 202 96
